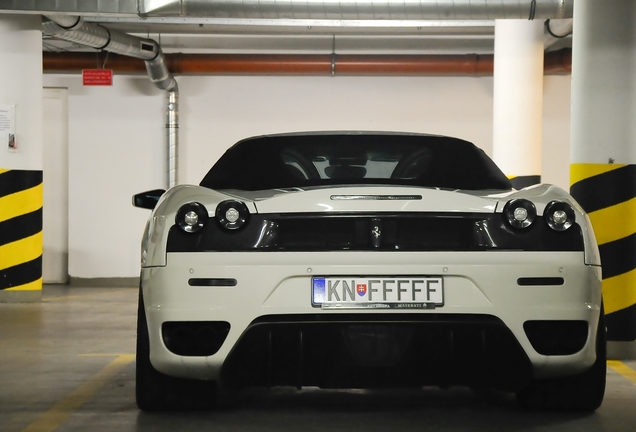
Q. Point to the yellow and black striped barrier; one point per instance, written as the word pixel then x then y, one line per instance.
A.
pixel 520 182
pixel 20 230
pixel 607 192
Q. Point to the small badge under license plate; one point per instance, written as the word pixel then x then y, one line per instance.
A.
pixel 425 292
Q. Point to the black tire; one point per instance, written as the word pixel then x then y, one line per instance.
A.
pixel 159 392
pixel 583 392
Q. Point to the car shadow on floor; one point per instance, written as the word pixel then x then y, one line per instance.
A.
pixel 431 409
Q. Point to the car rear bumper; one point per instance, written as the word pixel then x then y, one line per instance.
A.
pixel 278 335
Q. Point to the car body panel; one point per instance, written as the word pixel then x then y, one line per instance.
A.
pixel 277 283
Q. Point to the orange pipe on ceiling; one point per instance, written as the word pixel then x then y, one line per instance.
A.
pixel 556 62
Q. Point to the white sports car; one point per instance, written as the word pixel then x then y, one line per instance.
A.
pixel 366 260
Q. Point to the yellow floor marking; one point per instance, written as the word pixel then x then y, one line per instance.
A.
pixel 622 369
pixel 61 411
pixel 101 355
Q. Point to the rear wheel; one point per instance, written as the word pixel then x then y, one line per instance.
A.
pixel 159 392
pixel 583 392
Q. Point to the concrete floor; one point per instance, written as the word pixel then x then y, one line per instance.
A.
pixel 68 365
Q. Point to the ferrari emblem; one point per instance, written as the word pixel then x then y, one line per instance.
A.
pixel 376 232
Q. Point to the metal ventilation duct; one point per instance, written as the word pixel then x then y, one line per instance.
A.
pixel 81 7
pixel 395 10
pixel 74 29
pixel 280 10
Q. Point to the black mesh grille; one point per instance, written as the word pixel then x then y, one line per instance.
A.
pixel 402 233
pixel 365 351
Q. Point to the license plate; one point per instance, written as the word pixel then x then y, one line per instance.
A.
pixel 425 292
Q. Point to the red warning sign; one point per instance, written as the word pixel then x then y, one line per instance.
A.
pixel 97 77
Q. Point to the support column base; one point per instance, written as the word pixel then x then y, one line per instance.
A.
pixel 20 296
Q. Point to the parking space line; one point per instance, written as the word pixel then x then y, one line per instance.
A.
pixel 622 369
pixel 61 411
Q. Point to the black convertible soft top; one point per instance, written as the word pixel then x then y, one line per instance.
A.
pixel 354 158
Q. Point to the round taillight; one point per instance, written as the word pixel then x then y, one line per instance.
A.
pixel 191 217
pixel 559 215
pixel 519 213
pixel 232 214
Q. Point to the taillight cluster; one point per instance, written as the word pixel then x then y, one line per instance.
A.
pixel 192 217
pixel 229 214
pixel 521 213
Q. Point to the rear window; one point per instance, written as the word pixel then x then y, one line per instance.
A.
pixel 306 160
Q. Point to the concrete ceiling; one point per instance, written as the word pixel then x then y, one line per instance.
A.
pixel 199 36
pixel 308 27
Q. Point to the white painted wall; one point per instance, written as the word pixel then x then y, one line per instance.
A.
pixel 115 150
pixel 218 111
pixel 116 137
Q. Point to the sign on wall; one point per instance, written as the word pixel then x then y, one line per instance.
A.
pixel 97 77
pixel 7 127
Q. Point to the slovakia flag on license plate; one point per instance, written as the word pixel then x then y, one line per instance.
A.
pixel 319 290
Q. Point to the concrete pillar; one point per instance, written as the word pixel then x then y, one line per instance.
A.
pixel 518 100
pixel 603 147
pixel 20 158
